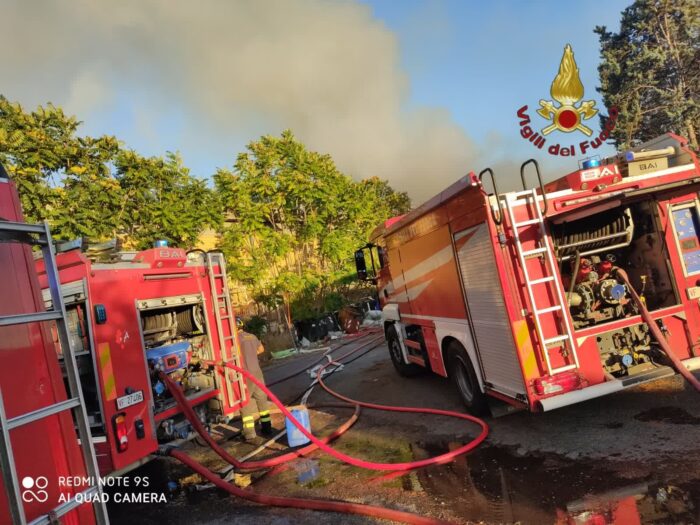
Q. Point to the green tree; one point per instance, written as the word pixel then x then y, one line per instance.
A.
pixel 289 219
pixel 159 199
pixel 293 221
pixel 93 187
pixel 650 70
pixel 42 152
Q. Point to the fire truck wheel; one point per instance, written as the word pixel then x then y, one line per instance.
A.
pixel 462 373
pixel 404 369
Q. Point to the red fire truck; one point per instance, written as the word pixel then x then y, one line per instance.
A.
pixel 537 297
pixel 105 328
pixel 39 444
pixel 138 314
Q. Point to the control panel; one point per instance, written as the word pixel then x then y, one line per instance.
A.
pixel 687 227
pixel 169 358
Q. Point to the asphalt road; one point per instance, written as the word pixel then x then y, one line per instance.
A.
pixel 648 435
pixel 621 425
pixel 637 451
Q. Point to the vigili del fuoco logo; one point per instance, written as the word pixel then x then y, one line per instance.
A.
pixel 567 113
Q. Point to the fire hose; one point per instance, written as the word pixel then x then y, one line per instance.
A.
pixel 196 423
pixel 194 420
pixel 656 332
pixel 344 507
pixel 302 503
pixel 301 371
pixel 350 460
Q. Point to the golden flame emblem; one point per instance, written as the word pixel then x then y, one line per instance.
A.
pixel 567 90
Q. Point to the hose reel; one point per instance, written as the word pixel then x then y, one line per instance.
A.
pixel 603 231
pixel 161 326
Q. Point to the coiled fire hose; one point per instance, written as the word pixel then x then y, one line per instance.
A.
pixel 656 331
pixel 335 506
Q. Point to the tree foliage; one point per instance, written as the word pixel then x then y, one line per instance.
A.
pixel 42 151
pixel 650 70
pixel 159 199
pixel 287 218
pixel 293 221
pixel 94 187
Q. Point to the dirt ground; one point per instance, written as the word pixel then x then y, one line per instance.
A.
pixel 632 457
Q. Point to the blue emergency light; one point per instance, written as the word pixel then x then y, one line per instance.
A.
pixel 590 163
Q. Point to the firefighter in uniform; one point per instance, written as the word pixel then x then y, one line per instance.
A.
pixel 258 402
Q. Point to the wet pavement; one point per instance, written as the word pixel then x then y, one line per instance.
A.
pixel 629 458
pixel 494 486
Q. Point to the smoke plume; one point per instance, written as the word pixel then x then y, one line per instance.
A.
pixel 325 69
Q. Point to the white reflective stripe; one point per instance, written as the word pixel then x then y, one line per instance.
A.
pixel 464 233
pixel 411 293
pixel 426 266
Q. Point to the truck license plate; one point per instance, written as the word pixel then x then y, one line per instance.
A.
pixel 129 399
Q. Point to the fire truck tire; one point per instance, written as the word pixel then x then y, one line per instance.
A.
pixel 404 369
pixel 462 373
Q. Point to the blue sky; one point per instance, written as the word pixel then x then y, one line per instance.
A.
pixel 484 60
pixel 389 88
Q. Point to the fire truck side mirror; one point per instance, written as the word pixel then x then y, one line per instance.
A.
pixel 361 255
pixel 361 265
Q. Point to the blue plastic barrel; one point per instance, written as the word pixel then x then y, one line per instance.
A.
pixel 294 436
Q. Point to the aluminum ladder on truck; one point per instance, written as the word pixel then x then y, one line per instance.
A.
pixel 39 234
pixel 228 338
pixel 564 336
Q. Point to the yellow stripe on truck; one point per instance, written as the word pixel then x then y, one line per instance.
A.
pixel 104 355
pixel 527 355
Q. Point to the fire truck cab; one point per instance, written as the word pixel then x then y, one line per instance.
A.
pixel 520 295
